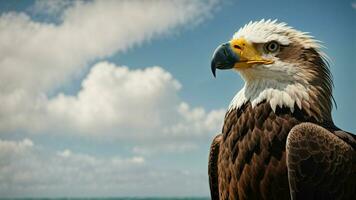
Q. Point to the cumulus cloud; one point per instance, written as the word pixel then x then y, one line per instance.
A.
pixel 27 169
pixel 38 57
pixel 114 96
pixel 114 100
pixel 132 103
pixel 141 106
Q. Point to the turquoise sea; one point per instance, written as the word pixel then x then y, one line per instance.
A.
pixel 115 198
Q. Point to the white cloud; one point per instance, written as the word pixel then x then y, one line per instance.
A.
pixel 114 96
pixel 196 120
pixel 65 153
pixel 353 5
pixel 8 149
pixel 139 106
pixel 165 148
pixel 28 169
pixel 115 101
pixel 37 57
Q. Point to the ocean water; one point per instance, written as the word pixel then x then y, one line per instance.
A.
pixel 114 198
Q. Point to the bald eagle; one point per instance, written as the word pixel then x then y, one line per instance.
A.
pixel 278 140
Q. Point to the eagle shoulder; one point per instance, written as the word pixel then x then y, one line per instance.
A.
pixel 321 165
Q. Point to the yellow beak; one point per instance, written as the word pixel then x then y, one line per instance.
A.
pixel 247 53
pixel 238 54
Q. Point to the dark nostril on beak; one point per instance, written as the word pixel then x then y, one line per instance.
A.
pixel 237 47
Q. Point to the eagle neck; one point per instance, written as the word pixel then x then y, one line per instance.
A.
pixel 281 94
pixel 276 93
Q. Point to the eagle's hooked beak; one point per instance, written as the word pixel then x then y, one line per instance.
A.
pixel 238 54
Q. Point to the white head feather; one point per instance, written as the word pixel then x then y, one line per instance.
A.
pixel 267 30
pixel 280 83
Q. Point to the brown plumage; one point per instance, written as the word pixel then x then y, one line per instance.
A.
pixel 285 153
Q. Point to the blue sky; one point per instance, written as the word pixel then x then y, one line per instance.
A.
pixel 75 122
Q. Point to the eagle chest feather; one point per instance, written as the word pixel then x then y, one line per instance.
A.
pixel 252 159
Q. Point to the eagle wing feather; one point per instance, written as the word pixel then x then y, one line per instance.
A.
pixel 213 167
pixel 321 164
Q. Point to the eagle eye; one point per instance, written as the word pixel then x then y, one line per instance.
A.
pixel 271 47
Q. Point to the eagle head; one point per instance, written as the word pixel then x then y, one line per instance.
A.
pixel 280 65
